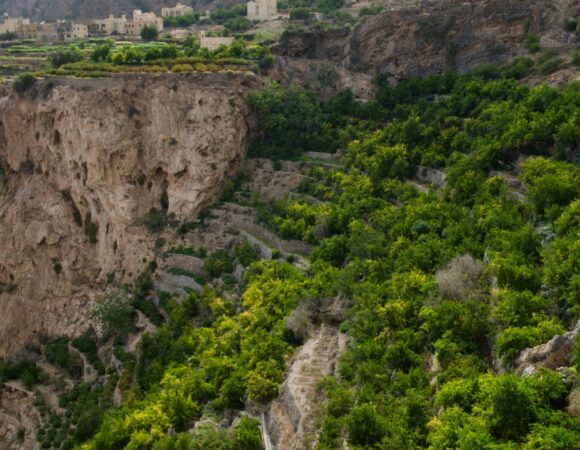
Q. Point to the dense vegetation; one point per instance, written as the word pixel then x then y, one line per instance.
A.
pixel 442 285
pixel 473 273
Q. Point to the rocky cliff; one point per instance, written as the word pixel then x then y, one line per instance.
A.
pixel 432 37
pixel 84 162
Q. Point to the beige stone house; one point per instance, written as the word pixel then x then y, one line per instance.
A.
pixel 262 10
pixel 10 25
pixel 70 31
pixel 177 11
pixel 39 31
pixel 123 26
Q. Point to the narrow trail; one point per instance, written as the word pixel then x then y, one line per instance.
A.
pixel 89 372
pixel 145 326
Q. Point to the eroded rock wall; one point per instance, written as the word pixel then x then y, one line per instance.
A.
pixel 433 37
pixel 103 151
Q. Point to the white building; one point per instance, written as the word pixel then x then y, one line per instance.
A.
pixel 177 11
pixel 262 10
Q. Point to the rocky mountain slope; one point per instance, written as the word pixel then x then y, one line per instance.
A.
pixel 81 177
pixel 429 38
pixel 91 9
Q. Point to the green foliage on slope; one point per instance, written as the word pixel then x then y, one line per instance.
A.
pixel 443 282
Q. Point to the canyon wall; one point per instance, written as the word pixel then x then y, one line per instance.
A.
pixel 83 163
pixel 430 38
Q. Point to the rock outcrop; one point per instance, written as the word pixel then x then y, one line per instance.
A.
pixel 19 419
pixel 85 161
pixel 553 354
pixel 431 38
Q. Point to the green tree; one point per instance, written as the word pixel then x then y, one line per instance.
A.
pixel 115 314
pixel 365 426
pixel 149 33
pixel 247 434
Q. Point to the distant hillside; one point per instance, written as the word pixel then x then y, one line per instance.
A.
pixel 91 9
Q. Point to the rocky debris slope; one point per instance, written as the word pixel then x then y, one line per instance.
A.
pixel 85 162
pixel 429 38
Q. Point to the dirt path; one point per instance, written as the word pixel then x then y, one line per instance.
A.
pixel 89 372
pixel 143 324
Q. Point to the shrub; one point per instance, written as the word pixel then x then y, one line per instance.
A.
pixel 149 33
pixel 218 263
pixel 550 65
pixel 370 11
pixel 461 278
pixel 570 25
pixel 87 343
pixel 101 53
pixel 365 426
pixel 91 228
pixel 24 82
pixel 115 314
pixel 533 44
pixel 180 68
pixel 147 306
pixel 245 253
pixel 155 220
pixel 72 55
pixel 297 325
pixel 247 434
pixel 57 352
pixel 300 13
pixel 518 68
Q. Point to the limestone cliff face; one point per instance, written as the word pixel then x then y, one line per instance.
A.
pixel 103 152
pixel 435 36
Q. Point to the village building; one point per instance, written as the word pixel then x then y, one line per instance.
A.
pixel 262 10
pixel 213 43
pixel 71 31
pixel 39 31
pixel 10 25
pixel 107 27
pixel 177 11
pixel 67 30
pixel 124 27
pixel 141 20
